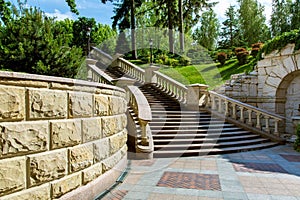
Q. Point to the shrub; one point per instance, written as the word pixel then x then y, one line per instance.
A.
pixel 242 55
pixel 256 48
pixel 222 57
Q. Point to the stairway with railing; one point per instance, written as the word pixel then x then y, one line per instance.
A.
pixel 185 120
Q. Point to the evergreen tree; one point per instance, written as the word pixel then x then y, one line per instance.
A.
pixel 295 12
pixel 207 34
pixel 230 31
pixel 281 17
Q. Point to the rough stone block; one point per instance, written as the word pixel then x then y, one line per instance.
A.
pixel 288 49
pixel 102 105
pixel 264 63
pixel 45 167
pixel 65 133
pixel 117 105
pixel 12 103
pixel 12 175
pixel 110 162
pixel 80 104
pixel 114 124
pixel 23 137
pixel 47 104
pixel 289 64
pixel 117 141
pixel 36 193
pixel 66 184
pixel 101 149
pixel 91 129
pixel 81 157
pixel 273 81
pixel 92 173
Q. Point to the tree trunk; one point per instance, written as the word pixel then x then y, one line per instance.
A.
pixel 170 22
pixel 133 36
pixel 181 31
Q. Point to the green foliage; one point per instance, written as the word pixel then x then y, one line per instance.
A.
pixel 72 5
pixel 5 11
pixel 30 43
pixel 279 42
pixel 297 141
pixel 242 55
pixel 256 48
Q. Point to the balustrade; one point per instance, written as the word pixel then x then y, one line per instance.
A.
pixel 256 117
pixel 131 69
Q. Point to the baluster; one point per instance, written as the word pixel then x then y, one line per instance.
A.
pixel 213 103
pixel 250 117
pixel 267 124
pixel 258 125
pixel 276 132
pixel 233 111
pixel 220 105
pixel 242 119
pixel 226 108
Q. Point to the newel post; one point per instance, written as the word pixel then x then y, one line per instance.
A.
pixel 197 95
pixel 149 73
pixel 144 124
pixel 90 61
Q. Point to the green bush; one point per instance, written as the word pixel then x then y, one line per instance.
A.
pixel 222 57
pixel 297 142
pixel 242 55
pixel 256 48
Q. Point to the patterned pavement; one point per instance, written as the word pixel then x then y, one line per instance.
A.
pixel 269 174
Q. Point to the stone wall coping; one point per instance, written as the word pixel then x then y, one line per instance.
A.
pixel 77 82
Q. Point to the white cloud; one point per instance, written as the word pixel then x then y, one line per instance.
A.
pixel 60 16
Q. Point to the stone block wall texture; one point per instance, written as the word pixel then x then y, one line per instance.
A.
pixel 57 135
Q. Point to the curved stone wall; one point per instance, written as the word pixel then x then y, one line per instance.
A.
pixel 59 136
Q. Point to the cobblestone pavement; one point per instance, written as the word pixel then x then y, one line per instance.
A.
pixel 265 174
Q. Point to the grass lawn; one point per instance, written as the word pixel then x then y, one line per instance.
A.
pixel 211 74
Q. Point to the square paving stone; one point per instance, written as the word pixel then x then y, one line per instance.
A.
pixel 190 181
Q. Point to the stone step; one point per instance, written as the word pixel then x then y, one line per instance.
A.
pixel 185 123
pixel 193 140
pixel 211 134
pixel 191 127
pixel 211 151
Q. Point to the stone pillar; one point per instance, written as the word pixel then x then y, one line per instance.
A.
pixel 90 61
pixel 149 73
pixel 196 96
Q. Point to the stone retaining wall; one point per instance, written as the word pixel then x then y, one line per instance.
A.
pixel 58 135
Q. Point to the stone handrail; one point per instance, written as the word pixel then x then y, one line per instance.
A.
pixel 142 109
pixel 97 75
pixel 131 69
pixel 105 58
pixel 170 86
pixel 235 110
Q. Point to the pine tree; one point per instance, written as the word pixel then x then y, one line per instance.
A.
pixel 281 17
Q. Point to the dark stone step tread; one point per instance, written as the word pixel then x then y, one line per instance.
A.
pixel 189 127
pixel 194 135
pixel 179 153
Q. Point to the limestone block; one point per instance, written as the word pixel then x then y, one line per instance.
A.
pixel 117 141
pixel 280 72
pixel 91 129
pixel 273 81
pixel 102 105
pixel 66 184
pixel 269 91
pixel 12 175
pixel 113 125
pixel 288 49
pixel 101 150
pixel 23 137
pixel 23 83
pixel 81 157
pixel 12 103
pixel 45 167
pixel 36 193
pixel 120 94
pixel 105 91
pixel 289 64
pixel 47 104
pixel 297 60
pixel 117 105
pixel 65 133
pixel 264 63
pixel 110 162
pixel 92 173
pixel 80 104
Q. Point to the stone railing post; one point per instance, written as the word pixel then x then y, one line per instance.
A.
pixel 89 71
pixel 196 96
pixel 149 73
pixel 145 139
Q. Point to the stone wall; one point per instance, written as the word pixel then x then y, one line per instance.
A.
pixel 59 136
pixel 273 86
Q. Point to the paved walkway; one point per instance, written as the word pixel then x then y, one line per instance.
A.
pixel 265 174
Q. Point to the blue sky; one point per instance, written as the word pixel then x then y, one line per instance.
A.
pixel 103 12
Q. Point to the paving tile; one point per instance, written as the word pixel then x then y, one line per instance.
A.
pixel 190 181
pixel 234 196
pixel 290 157
pixel 280 197
pixel 255 190
pixel 258 167
pixel 258 197
pixel 116 195
pixel 132 178
pixel 146 163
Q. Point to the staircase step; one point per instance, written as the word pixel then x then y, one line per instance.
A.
pixel 211 134
pixel 185 123
pixel 191 127
pixel 198 152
